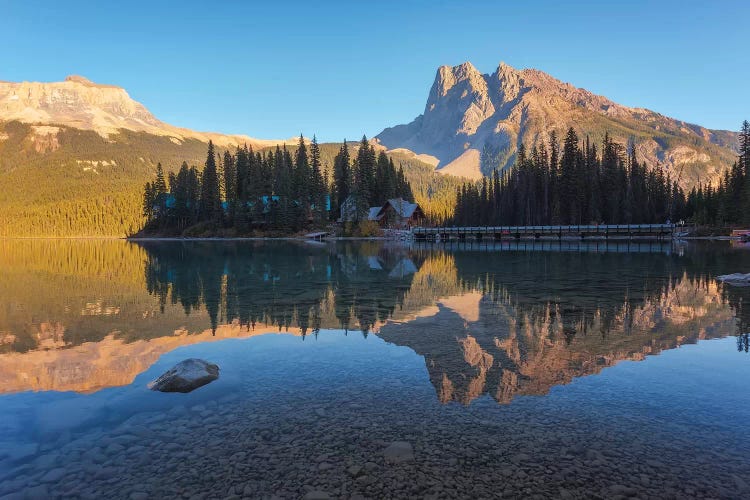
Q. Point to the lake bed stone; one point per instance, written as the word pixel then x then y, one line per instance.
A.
pixel 186 376
pixel 53 475
pixel 399 452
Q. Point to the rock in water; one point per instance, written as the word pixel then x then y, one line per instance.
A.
pixel 736 279
pixel 398 452
pixel 186 376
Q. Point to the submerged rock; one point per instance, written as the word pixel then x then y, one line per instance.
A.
pixel 186 376
pixel 317 495
pixel 398 452
pixel 736 279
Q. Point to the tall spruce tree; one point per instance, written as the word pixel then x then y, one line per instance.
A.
pixel 229 170
pixel 210 199
pixel 342 178
pixel 317 183
pixel 385 180
pixel 149 200
pixel 302 187
pixel 365 184
pixel 160 185
pixel 569 203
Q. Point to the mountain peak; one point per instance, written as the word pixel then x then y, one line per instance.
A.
pixel 448 76
pixel 466 68
pixel 474 123
pixel 88 83
pixel 505 68
pixel 78 79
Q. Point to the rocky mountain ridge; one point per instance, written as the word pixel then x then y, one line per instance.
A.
pixel 474 122
pixel 106 109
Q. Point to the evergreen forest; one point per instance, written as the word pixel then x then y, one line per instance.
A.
pixel 276 191
pixel 577 182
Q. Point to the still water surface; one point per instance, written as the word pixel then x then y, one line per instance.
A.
pixel 515 370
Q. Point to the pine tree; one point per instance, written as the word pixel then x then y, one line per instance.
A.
pixel 242 167
pixel 384 180
pixel 302 187
pixel 317 183
pixel 364 178
pixel 230 185
pixel 241 219
pixel 149 198
pixel 403 188
pixel 569 206
pixel 279 209
pixel 160 186
pixel 210 199
pixel 342 177
pixel 194 192
pixel 554 182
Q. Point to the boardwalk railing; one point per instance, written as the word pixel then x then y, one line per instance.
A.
pixel 593 245
pixel 657 231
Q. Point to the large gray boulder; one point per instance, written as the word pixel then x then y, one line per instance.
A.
pixel 186 376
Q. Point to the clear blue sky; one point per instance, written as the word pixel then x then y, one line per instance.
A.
pixel 339 69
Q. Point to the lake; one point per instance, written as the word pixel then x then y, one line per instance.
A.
pixel 374 370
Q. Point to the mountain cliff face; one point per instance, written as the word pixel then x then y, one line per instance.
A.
pixel 105 109
pixel 475 122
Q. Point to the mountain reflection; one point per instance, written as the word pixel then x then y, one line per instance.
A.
pixel 500 324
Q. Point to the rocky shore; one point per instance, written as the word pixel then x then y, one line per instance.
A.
pixel 288 447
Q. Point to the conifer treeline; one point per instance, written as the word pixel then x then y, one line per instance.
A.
pixel 371 177
pixel 576 184
pixel 273 190
pixel 729 202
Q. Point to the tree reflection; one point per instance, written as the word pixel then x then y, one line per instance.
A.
pixel 286 285
pixel 743 342
pixel 496 323
pixel 505 325
pixel 360 286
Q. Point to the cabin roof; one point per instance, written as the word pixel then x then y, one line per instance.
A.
pixel 402 207
pixel 374 213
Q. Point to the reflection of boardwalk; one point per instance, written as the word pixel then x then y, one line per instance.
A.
pixel 605 231
pixel 595 246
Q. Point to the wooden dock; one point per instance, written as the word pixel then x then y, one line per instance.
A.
pixel 318 236
pixel 605 231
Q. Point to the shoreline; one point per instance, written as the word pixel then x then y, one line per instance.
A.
pixel 351 238
pixel 259 238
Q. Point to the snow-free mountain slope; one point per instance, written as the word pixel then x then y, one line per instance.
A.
pixel 474 122
pixel 106 109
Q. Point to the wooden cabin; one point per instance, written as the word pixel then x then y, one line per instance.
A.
pixel 398 213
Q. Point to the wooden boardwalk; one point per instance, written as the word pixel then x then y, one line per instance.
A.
pixel 605 231
pixel 551 245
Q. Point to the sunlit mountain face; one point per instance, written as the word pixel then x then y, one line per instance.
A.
pixel 82 315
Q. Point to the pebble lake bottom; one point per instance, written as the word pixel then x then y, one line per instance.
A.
pixel 313 419
pixel 418 407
